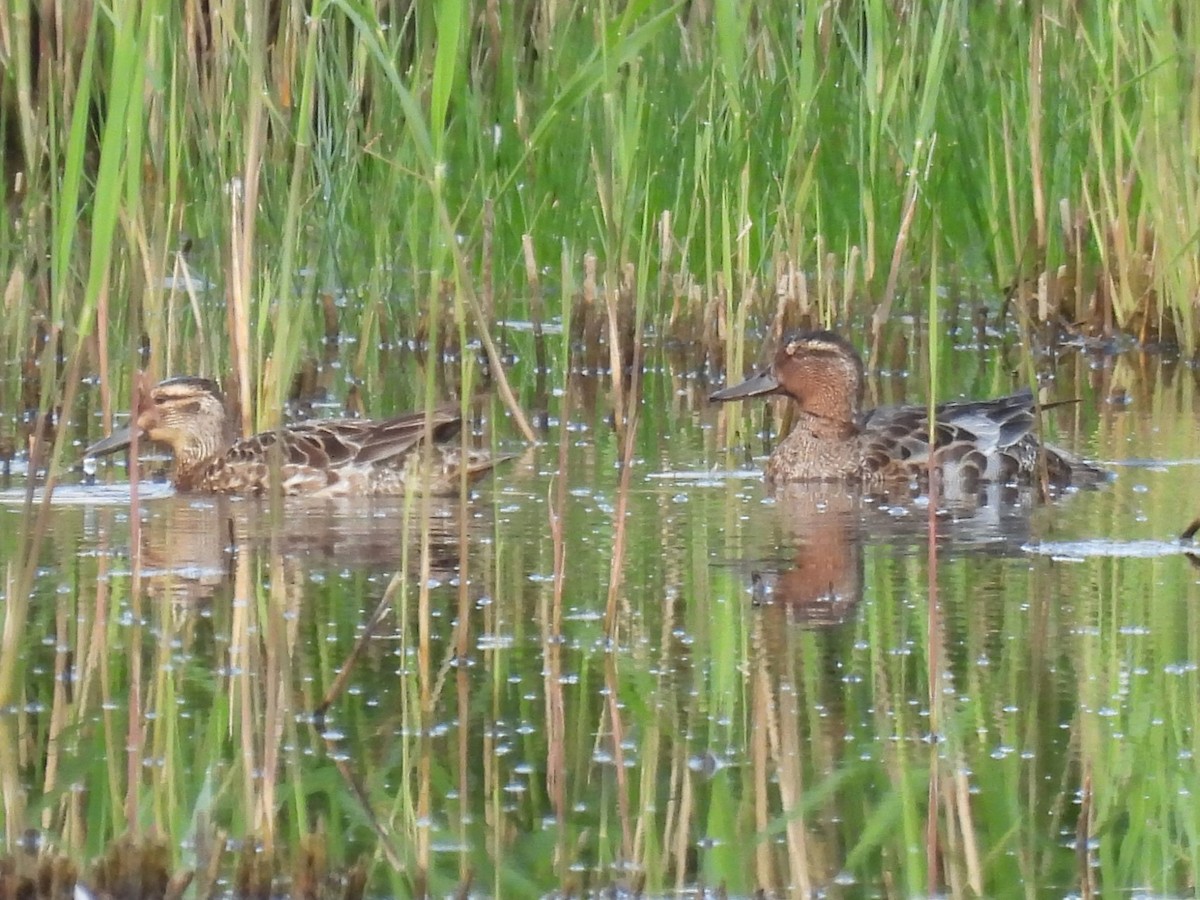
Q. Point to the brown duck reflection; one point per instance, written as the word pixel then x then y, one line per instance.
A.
pixel 189 545
pixel 828 524
pixel 824 580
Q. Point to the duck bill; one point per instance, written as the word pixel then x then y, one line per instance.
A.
pixel 118 440
pixel 764 382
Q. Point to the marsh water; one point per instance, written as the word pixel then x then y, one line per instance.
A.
pixel 683 682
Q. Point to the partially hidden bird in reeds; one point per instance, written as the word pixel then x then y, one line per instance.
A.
pixel 833 438
pixel 323 457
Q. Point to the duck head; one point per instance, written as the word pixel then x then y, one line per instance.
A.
pixel 818 369
pixel 185 413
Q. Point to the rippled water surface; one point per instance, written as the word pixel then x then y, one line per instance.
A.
pixel 688 682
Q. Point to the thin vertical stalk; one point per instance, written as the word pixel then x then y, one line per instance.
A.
pixel 933 475
pixel 244 193
pixel 290 325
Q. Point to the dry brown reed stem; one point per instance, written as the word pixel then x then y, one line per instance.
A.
pixel 587 305
pixel 422 838
pixel 495 363
pixel 933 852
pixel 683 818
pixel 828 279
pixel 149 303
pixel 496 368
pixel 256 25
pixel 488 275
pixel 1035 136
pixel 241 669
pixel 329 316
pixel 1010 182
pixel 883 310
pixel 761 731
pixel 629 420
pixel 785 294
pixel 713 334
pixel 537 311
pixel 626 415
pixel 677 750
pixel 13 791
pixel 666 244
pixel 462 643
pixel 534 282
pixel 783 727
pixel 612 682
pixel 551 620
pixel 274 683
pixel 237 315
pixel 462 687
pixel 135 735
pixel 933 674
pixel 966 826
pixel 100 338
pixel 1074 244
pixel 182 273
pixel 1085 826
pixel 851 273
pixel 12 635
pixel 739 331
pixel 92 684
pixel 611 298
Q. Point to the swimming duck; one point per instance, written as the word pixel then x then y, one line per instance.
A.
pixel 833 439
pixel 326 457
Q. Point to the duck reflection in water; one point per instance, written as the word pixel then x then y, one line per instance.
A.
pixel 191 547
pixel 823 582
pixel 828 524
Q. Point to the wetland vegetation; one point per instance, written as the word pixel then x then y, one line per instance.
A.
pixel 619 661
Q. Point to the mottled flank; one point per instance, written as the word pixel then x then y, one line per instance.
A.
pixel 321 457
pixel 833 439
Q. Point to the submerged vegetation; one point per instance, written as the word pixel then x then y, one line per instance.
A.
pixel 380 203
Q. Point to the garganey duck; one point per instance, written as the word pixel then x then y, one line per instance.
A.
pixel 834 439
pixel 329 457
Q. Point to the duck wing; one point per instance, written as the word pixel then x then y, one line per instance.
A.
pixel 327 444
pixel 393 438
pixel 976 435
